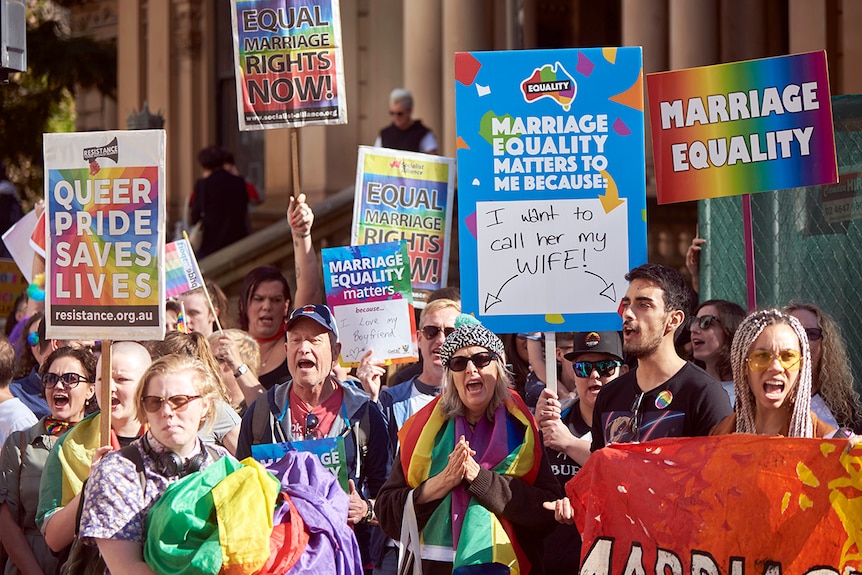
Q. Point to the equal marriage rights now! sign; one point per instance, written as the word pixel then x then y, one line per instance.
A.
pixel 742 127
pixel 551 184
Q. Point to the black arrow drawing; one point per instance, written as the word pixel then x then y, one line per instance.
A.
pixel 608 287
pixel 491 299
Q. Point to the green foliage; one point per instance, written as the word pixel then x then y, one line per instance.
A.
pixel 41 100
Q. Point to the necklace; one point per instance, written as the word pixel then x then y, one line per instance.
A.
pixel 267 355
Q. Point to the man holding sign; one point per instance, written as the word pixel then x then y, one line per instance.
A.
pixel 314 404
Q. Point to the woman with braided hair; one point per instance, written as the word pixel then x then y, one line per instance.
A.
pixel 771 361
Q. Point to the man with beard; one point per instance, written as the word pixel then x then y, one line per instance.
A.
pixel 665 396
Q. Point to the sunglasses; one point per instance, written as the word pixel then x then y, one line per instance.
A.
pixel 761 359
pixel 605 367
pixel 70 380
pixel 399 114
pixel 311 423
pixel 480 360
pixel 33 338
pixel 704 321
pixel 178 403
pixel 634 423
pixel 431 331
pixel 814 333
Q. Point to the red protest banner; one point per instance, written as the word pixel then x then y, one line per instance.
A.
pixel 737 504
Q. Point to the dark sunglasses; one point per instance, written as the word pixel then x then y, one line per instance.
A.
pixel 480 360
pixel 605 367
pixel 70 380
pixel 634 424
pixel 33 338
pixel 814 333
pixel 431 331
pixel 704 321
pixel 178 403
pixel 311 423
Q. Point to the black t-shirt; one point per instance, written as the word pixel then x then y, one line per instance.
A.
pixel 688 404
pixel 563 545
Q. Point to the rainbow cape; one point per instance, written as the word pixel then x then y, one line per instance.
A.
pixel 508 446
pixel 68 465
pixel 218 520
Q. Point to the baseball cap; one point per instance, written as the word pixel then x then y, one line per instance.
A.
pixel 596 342
pixel 319 313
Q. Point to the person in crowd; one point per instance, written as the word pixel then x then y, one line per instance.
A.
pixel 834 398
pixel 265 298
pixel 472 463
pixel 712 331
pixel 10 207
pixel 220 202
pixel 14 415
pixel 223 429
pixel 177 395
pixel 566 426
pixel 17 314
pixel 68 464
pixel 518 359
pixel 199 316
pixel 238 358
pixel 566 388
pixel 398 403
pixel 664 396
pixel 28 385
pixel 411 370
pixel 771 362
pixel 405 133
pixel 68 377
pixel 255 196
pixel 316 405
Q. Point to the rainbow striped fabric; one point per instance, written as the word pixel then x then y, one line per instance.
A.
pixel 509 446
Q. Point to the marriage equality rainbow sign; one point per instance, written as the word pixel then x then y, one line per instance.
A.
pixel 105 216
pixel 289 64
pixel 743 127
pixel 409 196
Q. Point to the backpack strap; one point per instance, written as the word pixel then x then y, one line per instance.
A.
pixel 260 417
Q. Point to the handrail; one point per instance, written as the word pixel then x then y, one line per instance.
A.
pixel 273 245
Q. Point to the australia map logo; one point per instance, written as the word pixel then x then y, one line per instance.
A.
pixel 550 82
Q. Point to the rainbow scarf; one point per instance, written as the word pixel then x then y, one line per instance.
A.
pixel 68 465
pixel 507 446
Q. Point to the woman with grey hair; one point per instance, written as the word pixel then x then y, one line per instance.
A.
pixel 771 361
pixel 472 466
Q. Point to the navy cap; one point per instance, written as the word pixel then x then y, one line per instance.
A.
pixel 319 313
pixel 596 342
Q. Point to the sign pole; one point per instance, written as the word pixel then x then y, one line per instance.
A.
pixel 294 154
pixel 551 360
pixel 750 281
pixel 105 396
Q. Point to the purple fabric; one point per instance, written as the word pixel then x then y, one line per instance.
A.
pixel 323 505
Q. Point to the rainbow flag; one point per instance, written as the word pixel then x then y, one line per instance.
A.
pixel 182 273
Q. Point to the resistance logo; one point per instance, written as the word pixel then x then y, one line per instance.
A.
pixel 550 81
pixel 111 150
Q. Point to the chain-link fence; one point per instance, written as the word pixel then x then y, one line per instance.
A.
pixel 807 241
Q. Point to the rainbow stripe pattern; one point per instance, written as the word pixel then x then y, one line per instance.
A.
pixel 182 273
pixel 743 127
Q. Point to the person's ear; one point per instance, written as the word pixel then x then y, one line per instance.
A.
pixel 336 351
pixel 91 391
pixel 675 319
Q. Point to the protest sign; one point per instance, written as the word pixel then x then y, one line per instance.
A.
pixel 328 450
pixel 288 62
pixel 552 193
pixel 105 214
pixel 182 273
pixel 409 196
pixel 742 127
pixel 732 504
pixel 368 289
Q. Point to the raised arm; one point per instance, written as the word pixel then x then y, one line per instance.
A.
pixel 307 269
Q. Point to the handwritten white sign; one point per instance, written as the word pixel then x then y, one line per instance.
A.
pixel 553 256
pixel 383 326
